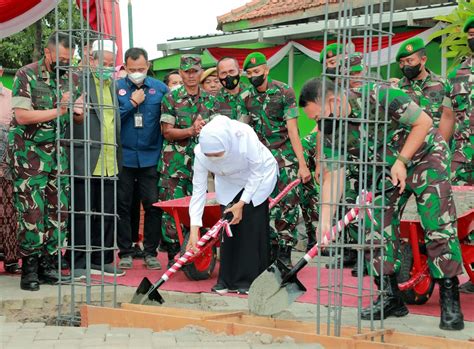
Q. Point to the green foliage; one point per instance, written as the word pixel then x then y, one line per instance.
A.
pixel 17 50
pixel 455 40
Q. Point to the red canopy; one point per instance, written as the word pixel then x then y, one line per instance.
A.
pixel 17 15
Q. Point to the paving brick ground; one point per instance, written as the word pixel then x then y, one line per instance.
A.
pixel 37 335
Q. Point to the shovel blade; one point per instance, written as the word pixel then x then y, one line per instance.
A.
pixel 267 295
pixel 146 294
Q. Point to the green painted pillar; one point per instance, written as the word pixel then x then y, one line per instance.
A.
pixel 130 24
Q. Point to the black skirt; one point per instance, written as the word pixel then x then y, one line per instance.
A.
pixel 247 254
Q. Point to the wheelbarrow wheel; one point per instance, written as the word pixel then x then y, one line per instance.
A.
pixel 203 266
pixel 421 292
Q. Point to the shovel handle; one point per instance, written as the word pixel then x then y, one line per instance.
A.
pixel 349 217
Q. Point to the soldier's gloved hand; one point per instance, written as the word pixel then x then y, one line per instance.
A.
pixel 138 96
pixel 304 174
pixel 63 105
pixel 399 175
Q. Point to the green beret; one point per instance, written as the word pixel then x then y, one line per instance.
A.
pixel 331 51
pixel 468 24
pixel 409 47
pixel 254 60
pixel 188 62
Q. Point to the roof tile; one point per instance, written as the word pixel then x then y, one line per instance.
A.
pixel 263 8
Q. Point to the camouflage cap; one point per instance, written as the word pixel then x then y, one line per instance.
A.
pixel 331 50
pixel 468 24
pixel 190 62
pixel 206 73
pixel 409 47
pixel 254 60
pixel 356 62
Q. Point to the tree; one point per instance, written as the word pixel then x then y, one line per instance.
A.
pixel 27 46
pixel 455 40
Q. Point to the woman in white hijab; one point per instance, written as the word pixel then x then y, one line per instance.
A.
pixel 245 175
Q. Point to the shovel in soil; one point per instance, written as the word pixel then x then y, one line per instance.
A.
pixel 278 287
pixel 147 293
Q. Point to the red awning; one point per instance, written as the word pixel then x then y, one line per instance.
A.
pixel 17 15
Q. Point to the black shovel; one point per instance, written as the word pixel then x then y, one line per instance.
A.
pixel 278 286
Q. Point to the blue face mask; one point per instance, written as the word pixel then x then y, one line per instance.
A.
pixel 104 72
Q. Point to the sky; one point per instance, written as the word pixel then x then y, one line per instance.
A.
pixel 156 21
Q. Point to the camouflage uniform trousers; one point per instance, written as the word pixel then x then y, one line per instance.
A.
pixel 170 189
pixel 284 216
pixel 309 192
pixel 428 181
pixel 462 173
pixel 38 197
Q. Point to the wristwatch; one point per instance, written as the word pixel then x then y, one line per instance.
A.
pixel 407 162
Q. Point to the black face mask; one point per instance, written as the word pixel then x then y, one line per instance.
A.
pixel 331 71
pixel 230 82
pixel 257 81
pixel 411 72
pixel 331 125
pixel 62 67
pixel 470 43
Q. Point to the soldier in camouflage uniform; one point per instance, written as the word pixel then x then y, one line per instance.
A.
pixel 184 111
pixel 308 192
pixel 460 89
pixel 227 98
pixel 40 190
pixel 419 160
pixel 424 87
pixel 271 108
pixel 462 96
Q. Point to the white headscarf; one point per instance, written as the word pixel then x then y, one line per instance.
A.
pixel 222 134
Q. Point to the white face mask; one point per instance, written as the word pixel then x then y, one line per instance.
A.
pixel 137 78
pixel 215 158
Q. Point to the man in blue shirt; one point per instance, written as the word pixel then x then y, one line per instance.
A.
pixel 139 99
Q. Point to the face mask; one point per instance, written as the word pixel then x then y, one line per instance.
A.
pixel 470 43
pixel 331 71
pixel 257 81
pixel 215 158
pixel 105 73
pixel 411 72
pixel 137 78
pixel 230 82
pixel 331 125
pixel 62 68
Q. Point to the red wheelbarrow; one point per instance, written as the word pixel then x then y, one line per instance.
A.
pixel 414 277
pixel 203 266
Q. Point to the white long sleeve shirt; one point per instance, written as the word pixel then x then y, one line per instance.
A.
pixel 249 165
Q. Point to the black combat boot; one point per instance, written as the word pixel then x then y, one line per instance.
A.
pixel 452 318
pixel 29 273
pixel 392 301
pixel 48 271
pixel 173 249
pixel 311 241
pixel 284 255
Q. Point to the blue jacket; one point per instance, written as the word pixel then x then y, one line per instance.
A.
pixel 141 146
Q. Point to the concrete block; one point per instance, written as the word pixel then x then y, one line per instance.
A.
pixel 3 319
pixel 35 325
pixel 140 332
pixel 13 304
pixel 33 303
pixel 9 327
pixel 68 344
pixel 165 341
pixel 50 302
pixel 48 333
pixel 92 341
pixel 72 333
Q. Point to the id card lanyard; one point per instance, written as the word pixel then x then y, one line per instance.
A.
pixel 138 118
